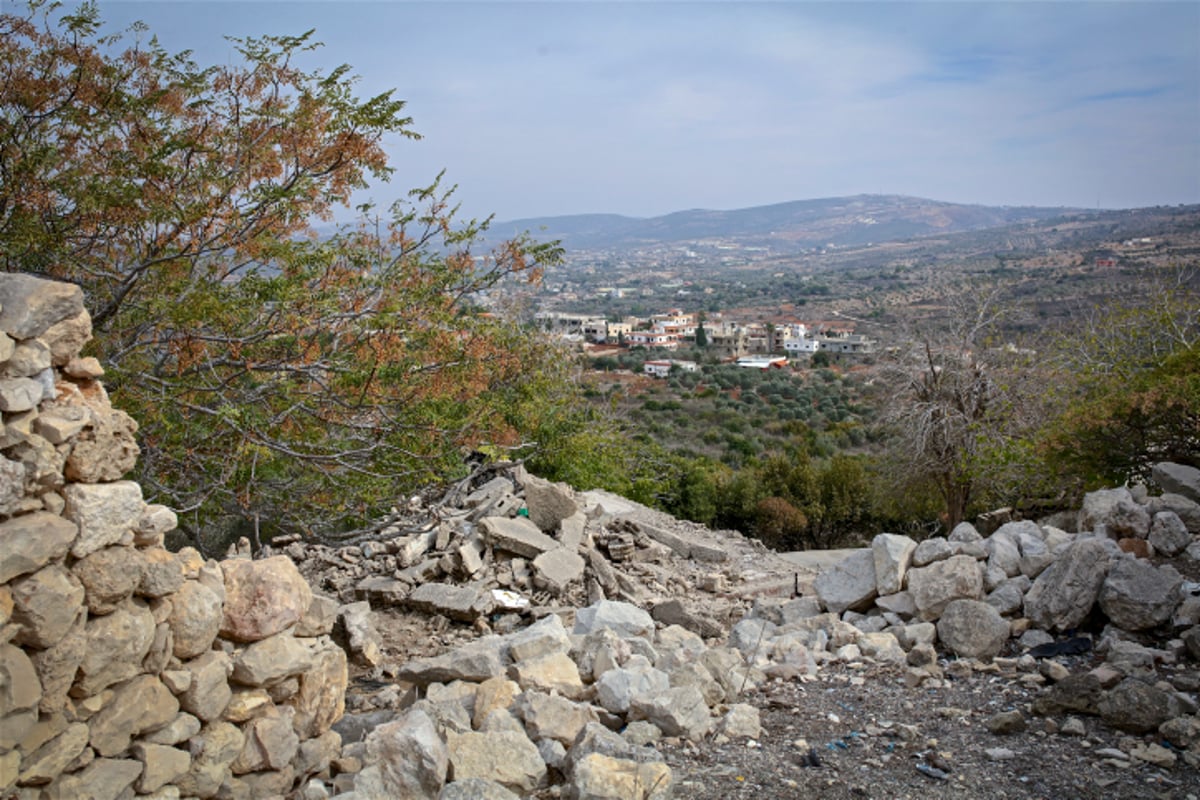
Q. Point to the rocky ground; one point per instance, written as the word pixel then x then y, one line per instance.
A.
pixel 886 701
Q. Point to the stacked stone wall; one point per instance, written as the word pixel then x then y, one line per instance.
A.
pixel 127 670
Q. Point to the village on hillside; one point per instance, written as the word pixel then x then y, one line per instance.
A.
pixel 753 345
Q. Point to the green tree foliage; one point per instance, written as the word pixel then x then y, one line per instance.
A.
pixel 1129 385
pixel 280 378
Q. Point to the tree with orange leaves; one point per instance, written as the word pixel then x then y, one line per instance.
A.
pixel 283 381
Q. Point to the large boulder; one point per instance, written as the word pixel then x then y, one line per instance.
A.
pixel 1097 506
pixel 1177 479
pixel 849 584
pixel 892 554
pixel 1138 595
pixel 934 587
pixel 262 597
pixel 1064 593
pixel 972 629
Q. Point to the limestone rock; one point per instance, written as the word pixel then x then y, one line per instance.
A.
pixel 320 617
pixel 45 605
pixel 214 750
pixel 1064 593
pixel 972 629
pixel 475 662
pixel 20 394
pixel 1135 706
pixel 1187 510
pixel 105 450
pixel 1003 552
pixel 109 576
pixel 161 573
pixel 58 665
pixel 357 628
pixel 140 705
pixel 600 777
pixel 161 764
pixel 493 694
pixel 849 584
pixel 937 585
pixel 551 673
pixel 103 779
pixel 506 757
pixel 262 598
pixel 52 758
pixel 892 553
pixel 680 711
pixel 475 789
pixel 195 619
pixel 553 717
pixel 1177 479
pixel 1098 505
pixel 31 541
pixel 616 689
pixel 1137 595
pixel 321 698
pixel 104 512
pixel 209 692
pixel 270 660
pixel 270 742
pixel 29 305
pixel 542 638
pixel 406 758
pixel 1168 535
pixel 742 720
pixel 67 337
pixel 624 619
pixel 20 692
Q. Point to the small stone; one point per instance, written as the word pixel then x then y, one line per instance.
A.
pixel 1006 722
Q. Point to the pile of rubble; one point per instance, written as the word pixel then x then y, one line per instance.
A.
pixel 507 545
pixel 126 669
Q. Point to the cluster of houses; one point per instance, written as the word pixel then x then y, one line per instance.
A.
pixel 754 344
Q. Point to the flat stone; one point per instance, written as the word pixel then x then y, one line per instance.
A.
pixel 516 535
pixel 104 512
pixel 553 717
pixel 1178 479
pixel 20 394
pixel 268 661
pixel 103 779
pixel 557 569
pixel 161 764
pixel 141 705
pixel 475 662
pixel 31 541
pixel 463 603
pixel 52 758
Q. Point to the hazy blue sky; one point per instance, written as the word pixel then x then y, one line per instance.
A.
pixel 646 108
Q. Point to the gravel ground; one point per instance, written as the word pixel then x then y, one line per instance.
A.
pixel 861 733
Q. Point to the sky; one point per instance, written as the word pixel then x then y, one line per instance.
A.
pixel 644 108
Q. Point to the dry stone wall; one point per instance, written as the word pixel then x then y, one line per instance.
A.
pixel 125 669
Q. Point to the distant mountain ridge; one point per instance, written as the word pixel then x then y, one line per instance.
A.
pixel 796 225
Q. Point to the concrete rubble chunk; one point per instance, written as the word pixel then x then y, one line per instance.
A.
pixel 516 535
pixel 548 503
pixel 849 584
pixel 31 541
pixel 463 603
pixel 556 570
